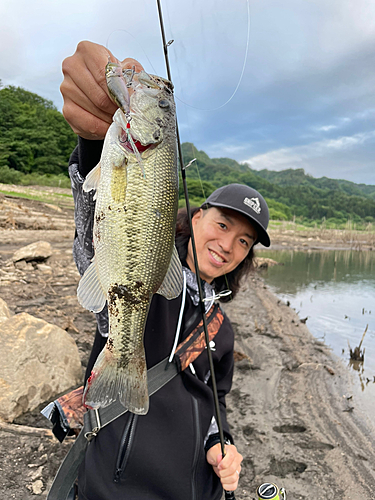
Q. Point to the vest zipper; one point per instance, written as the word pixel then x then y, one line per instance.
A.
pixel 196 450
pixel 125 446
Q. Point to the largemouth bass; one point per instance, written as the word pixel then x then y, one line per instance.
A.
pixel 134 228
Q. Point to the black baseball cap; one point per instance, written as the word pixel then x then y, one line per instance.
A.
pixel 247 201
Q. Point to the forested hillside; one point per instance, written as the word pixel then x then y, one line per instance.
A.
pixel 290 193
pixel 298 177
pixel 36 142
pixel 34 137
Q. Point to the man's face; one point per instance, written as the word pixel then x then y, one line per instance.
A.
pixel 223 238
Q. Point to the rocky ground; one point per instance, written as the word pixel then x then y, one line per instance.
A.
pixel 291 409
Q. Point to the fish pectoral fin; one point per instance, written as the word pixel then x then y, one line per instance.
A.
pixel 92 179
pixel 172 283
pixel 90 292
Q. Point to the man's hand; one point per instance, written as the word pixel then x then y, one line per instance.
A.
pixel 87 106
pixel 228 468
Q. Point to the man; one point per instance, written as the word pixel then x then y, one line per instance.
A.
pixel 169 453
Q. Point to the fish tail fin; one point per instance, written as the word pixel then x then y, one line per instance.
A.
pixel 109 381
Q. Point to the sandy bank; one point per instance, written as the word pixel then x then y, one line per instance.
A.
pixel 289 236
pixel 289 407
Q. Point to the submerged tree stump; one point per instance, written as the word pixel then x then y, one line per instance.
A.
pixel 357 354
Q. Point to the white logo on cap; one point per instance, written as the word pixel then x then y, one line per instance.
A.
pixel 254 204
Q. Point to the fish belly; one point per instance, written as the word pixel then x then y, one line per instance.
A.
pixel 133 239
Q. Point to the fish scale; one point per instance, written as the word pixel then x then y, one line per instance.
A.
pixel 134 227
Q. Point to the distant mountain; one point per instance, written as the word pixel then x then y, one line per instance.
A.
pixel 289 192
pixel 298 177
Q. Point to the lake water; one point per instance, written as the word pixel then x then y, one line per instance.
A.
pixel 335 290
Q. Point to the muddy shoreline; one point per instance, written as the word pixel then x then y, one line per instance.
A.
pixel 289 407
pixel 292 407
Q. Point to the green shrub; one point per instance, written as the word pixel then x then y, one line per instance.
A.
pixel 277 215
pixel 35 179
pixel 9 175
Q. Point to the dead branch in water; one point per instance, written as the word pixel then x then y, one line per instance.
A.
pixel 356 354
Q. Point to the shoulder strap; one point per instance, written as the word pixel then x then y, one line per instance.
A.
pixel 94 420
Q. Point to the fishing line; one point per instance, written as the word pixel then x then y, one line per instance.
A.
pixel 178 68
pixel 243 65
pixel 136 40
pixel 200 180
pixel 187 114
pixel 183 100
pixel 229 495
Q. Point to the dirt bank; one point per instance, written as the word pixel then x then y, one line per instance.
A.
pixel 291 407
pixel 287 408
pixel 289 236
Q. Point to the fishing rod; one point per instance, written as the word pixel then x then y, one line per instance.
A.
pixel 229 495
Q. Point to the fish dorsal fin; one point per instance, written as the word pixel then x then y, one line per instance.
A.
pixel 172 284
pixel 92 179
pixel 90 292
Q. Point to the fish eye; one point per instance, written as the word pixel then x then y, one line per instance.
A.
pixel 164 104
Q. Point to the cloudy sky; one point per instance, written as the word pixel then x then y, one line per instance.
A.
pixel 306 99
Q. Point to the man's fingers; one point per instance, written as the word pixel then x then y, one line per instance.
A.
pixel 83 123
pixel 129 63
pixel 229 478
pixel 230 486
pixel 230 471
pixel 81 87
pixel 95 57
pixel 88 107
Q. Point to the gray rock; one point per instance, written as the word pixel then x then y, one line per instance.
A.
pixel 37 487
pixel 44 268
pixel 36 473
pixel 4 311
pixel 23 265
pixel 40 250
pixel 39 361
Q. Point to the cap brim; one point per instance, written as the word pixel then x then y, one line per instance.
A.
pixel 263 236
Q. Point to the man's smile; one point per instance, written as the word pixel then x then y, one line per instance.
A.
pixel 216 256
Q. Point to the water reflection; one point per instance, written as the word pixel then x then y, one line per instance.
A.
pixel 319 267
pixel 335 290
pixel 363 379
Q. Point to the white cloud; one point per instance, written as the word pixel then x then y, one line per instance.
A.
pixel 325 128
pixel 304 156
pixel 344 121
pixel 226 149
pixel 367 113
pixel 347 142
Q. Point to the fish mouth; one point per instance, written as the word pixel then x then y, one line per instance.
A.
pixel 140 147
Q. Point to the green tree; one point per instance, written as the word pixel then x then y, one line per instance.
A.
pixel 34 137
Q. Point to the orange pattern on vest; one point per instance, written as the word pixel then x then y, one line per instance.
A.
pixel 191 347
